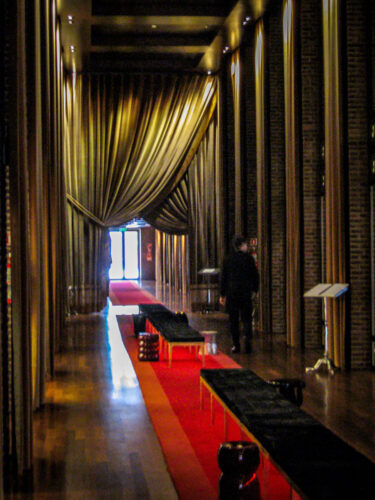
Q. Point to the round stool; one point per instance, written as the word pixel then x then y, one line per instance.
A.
pixel 210 341
pixel 291 388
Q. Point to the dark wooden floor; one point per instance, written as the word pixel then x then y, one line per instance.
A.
pixel 93 438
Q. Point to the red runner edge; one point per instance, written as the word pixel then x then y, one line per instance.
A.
pixel 188 438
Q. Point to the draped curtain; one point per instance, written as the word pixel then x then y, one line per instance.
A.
pixel 292 179
pixel 128 143
pixel 334 179
pixel 195 208
pixel 263 200
pixel 36 287
pixel 205 208
pixel 236 76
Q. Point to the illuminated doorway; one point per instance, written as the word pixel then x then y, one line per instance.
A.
pixel 125 255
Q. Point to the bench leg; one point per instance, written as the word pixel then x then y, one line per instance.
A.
pixel 170 347
pixel 225 426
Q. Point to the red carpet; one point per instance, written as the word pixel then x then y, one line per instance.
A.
pixel 126 293
pixel 188 439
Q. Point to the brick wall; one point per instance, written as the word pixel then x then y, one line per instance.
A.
pixel 357 42
pixel 277 166
pixel 312 98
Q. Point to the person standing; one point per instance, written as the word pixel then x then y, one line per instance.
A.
pixel 239 280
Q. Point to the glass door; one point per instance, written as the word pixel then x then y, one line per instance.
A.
pixel 125 255
pixel 131 245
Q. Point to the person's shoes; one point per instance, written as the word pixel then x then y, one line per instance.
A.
pixel 236 349
pixel 248 347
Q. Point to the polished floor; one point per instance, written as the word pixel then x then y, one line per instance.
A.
pixel 93 439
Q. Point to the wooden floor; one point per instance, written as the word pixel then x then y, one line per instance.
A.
pixel 93 439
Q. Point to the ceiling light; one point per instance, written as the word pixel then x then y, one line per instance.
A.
pixel 72 48
pixel 248 18
pixel 209 72
pixel 154 26
pixel 70 19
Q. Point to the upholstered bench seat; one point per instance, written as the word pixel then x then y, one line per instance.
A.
pixel 316 462
pixel 172 328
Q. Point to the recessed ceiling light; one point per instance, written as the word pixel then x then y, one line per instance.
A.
pixel 248 18
pixel 209 72
pixel 72 48
pixel 154 26
pixel 70 19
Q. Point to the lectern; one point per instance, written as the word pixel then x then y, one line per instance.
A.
pixel 208 273
pixel 326 291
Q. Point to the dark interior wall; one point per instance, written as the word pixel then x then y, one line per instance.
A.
pixel 276 132
pixel 357 100
pixel 312 98
pixel 147 243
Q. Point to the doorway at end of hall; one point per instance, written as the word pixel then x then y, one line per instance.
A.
pixel 125 255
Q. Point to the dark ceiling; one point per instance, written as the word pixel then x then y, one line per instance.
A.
pixel 152 35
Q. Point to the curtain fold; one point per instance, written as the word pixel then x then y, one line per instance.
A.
pixel 205 209
pixel 128 143
pixel 263 196
pixel 172 215
pixel 334 179
pixel 236 90
pixel 292 179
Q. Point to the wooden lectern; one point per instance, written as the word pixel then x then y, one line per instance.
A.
pixel 326 291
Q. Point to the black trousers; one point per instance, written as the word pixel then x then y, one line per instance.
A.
pixel 240 309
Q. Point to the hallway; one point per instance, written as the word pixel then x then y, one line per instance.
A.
pixel 93 438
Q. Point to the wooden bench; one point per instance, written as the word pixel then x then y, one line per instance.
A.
pixel 317 463
pixel 173 329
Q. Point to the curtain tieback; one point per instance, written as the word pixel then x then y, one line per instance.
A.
pixel 76 204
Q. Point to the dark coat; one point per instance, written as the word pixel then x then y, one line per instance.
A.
pixel 239 277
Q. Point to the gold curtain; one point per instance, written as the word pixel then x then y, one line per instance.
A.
pixel 128 143
pixel 334 179
pixel 197 200
pixel 236 89
pixel 172 215
pixel 262 181
pixel 292 181
pixel 35 212
pixel 171 259
pixel 205 204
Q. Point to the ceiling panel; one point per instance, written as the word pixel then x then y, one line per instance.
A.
pixel 150 35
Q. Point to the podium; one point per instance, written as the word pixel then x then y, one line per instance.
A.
pixel 326 291
pixel 208 273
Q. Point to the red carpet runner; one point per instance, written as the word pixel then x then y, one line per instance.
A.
pixel 188 439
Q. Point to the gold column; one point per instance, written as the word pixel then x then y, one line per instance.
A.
pixel 262 181
pixel 292 180
pixel 164 257
pixel 176 262
pixel 170 259
pixel 235 72
pixel 158 264
pixel 183 264
pixel 334 178
pixel 38 326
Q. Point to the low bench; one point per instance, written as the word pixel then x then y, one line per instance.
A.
pixel 317 463
pixel 172 328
